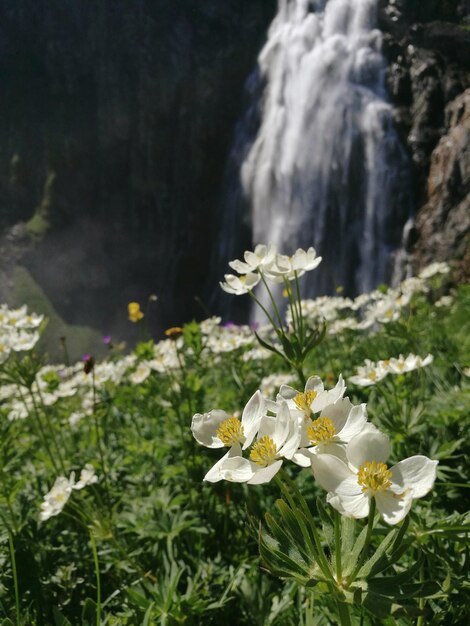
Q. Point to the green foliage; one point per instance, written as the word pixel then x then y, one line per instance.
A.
pixel 174 550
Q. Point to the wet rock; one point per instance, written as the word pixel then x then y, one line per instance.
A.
pixel 443 223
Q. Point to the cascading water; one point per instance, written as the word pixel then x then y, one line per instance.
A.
pixel 326 167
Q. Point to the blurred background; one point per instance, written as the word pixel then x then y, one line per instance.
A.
pixel 135 153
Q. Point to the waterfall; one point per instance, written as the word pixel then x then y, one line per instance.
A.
pixel 325 166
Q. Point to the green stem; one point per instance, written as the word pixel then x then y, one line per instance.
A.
pixel 273 301
pixel 42 434
pixel 339 568
pixel 15 576
pixel 299 302
pixel 288 490
pixel 422 601
pixel 370 526
pixel 343 612
pixel 98 580
pixel 293 307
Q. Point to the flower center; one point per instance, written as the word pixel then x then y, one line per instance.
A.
pixel 321 430
pixel 303 401
pixel 230 431
pixel 372 375
pixel 264 451
pixel 374 477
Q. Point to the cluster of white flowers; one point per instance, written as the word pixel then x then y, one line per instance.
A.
pixel 18 330
pixel 321 429
pixel 368 309
pixel 372 372
pixel 266 261
pixel 58 496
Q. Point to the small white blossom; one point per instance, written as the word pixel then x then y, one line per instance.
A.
pixel 57 497
pixel 87 477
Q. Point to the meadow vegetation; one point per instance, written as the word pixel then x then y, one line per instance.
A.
pixel 105 516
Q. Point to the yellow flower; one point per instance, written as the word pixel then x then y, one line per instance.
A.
pixel 135 314
pixel 173 332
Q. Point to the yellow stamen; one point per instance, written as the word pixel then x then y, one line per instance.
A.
pixel 230 431
pixel 264 451
pixel 374 477
pixel 372 375
pixel 303 401
pixel 321 430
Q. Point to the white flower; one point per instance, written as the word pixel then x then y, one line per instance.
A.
pixel 56 498
pixel 278 438
pixel 352 484
pixel 87 477
pixel 434 268
pixel 239 285
pixel 141 373
pixel 408 364
pixel 288 267
pixel 217 429
pixel 329 433
pixel 445 301
pixel 4 349
pixel 369 374
pixel 262 256
pixel 76 417
pixel 314 398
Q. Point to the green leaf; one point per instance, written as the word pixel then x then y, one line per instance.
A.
pixel 268 346
pixel 350 560
pixel 89 612
pixel 378 605
pixel 348 527
pixel 367 568
pixel 59 619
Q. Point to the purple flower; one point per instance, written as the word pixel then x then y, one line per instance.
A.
pixel 107 340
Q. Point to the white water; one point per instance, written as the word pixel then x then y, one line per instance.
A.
pixel 326 167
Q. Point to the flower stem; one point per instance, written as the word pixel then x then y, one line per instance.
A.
pixel 339 568
pixel 370 526
pixel 98 580
pixel 343 612
pixel 273 301
pixel 15 576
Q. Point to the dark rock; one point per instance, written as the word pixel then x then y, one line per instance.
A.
pixel 443 222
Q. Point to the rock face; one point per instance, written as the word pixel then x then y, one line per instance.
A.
pixel 115 122
pixel 427 45
pixel 444 221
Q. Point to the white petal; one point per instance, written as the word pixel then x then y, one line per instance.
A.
pixel 393 507
pixel 335 449
pixel 355 422
pixel 251 417
pixel 329 471
pixel 240 267
pixel 287 392
pixel 265 474
pixel 325 398
pixel 231 463
pixel 338 413
pixel 416 473
pixel 204 428
pixel 368 446
pixel 314 383
pixel 303 457
pixel 237 470
pixel 356 505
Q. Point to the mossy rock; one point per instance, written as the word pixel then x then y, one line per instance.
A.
pixel 79 339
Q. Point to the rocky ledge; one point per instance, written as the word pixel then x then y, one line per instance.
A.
pixel 427 45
